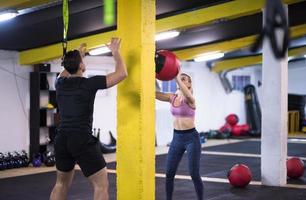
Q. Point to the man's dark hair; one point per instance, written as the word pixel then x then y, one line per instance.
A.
pixel 71 61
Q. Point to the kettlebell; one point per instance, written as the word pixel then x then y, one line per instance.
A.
pixel 36 160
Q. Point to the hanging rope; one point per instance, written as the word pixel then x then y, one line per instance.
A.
pixel 275 19
pixel 65 23
pixel 109 12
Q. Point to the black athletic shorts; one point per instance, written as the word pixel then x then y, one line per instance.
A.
pixel 81 148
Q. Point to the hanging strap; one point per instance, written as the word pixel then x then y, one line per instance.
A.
pixel 65 23
pixel 275 18
pixel 109 12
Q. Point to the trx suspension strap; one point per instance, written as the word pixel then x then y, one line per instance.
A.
pixel 109 12
pixel 275 19
pixel 65 23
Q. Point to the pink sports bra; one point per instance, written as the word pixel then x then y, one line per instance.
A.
pixel 183 110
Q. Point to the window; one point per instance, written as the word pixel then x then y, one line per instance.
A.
pixel 239 82
pixel 169 86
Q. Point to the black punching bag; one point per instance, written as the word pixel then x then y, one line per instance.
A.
pixel 253 110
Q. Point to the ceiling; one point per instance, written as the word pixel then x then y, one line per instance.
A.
pixel 40 24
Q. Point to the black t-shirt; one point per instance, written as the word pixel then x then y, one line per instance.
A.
pixel 75 99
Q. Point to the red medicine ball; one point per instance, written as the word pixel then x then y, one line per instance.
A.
pixel 236 130
pixel 232 119
pixel 239 175
pixel 245 128
pixel 167 65
pixel 226 128
pixel 295 167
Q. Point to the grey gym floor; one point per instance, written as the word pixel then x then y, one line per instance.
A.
pixel 38 186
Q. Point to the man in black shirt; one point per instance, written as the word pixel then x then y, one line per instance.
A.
pixel 75 142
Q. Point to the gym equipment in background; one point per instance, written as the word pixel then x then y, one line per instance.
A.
pixel 49 158
pixel 238 130
pixel 232 119
pixel 10 160
pixel 304 126
pixel 215 134
pixel 297 103
pixel 225 82
pixel 36 161
pixel 231 127
pixel 44 114
pixel 109 12
pixel 106 148
pixel 25 159
pixel 253 111
pixel 275 20
pixel 226 128
pixel 167 65
pixel 2 162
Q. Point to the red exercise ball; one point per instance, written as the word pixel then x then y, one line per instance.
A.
pixel 239 175
pixel 295 167
pixel 245 128
pixel 232 119
pixel 236 130
pixel 226 128
pixel 167 65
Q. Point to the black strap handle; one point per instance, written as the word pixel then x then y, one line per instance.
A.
pixel 65 30
pixel 275 19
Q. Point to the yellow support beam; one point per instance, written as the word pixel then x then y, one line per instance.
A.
pixel 297 52
pixel 54 51
pixel 230 45
pixel 22 4
pixel 232 9
pixel 33 3
pixel 236 63
pixel 226 46
pixel 4 4
pixel 136 102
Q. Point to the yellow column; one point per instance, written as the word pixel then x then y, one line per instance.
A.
pixel 136 101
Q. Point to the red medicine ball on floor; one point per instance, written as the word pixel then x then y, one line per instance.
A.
pixel 295 167
pixel 166 65
pixel 236 130
pixel 245 128
pixel 226 128
pixel 239 175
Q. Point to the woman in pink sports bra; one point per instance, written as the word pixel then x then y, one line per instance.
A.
pixel 185 136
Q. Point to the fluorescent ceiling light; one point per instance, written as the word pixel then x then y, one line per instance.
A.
pixel 166 35
pixel 209 56
pixel 100 50
pixel 8 14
